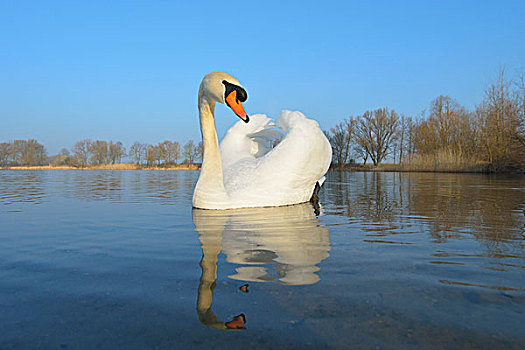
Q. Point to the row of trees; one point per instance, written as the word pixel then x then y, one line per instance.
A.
pixel 99 152
pixel 446 137
pixel 22 152
pixel 86 152
pixel 165 153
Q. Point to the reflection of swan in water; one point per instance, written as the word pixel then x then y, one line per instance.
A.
pixel 281 244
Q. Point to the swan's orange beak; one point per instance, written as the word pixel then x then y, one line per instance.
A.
pixel 238 322
pixel 236 106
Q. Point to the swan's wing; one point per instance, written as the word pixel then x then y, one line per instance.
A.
pixel 288 173
pixel 303 156
pixel 248 140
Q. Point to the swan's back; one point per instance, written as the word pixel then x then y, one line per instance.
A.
pixel 257 175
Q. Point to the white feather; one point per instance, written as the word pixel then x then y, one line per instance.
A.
pixel 257 175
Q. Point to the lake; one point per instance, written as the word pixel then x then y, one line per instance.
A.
pixel 120 260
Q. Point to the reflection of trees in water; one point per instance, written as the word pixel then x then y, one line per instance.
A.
pixel 448 205
pixel 372 199
pixel 168 187
pixel 21 187
pixel 97 185
pixel 165 187
pixel 378 202
pixel 489 208
pixel 162 186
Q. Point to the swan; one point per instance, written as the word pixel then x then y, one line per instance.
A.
pixel 245 171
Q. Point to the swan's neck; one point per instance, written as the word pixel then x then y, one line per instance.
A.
pixel 210 184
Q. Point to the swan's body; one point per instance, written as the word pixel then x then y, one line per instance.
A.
pixel 244 171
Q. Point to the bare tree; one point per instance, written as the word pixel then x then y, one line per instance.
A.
pixel 401 136
pixel 5 154
pixel 169 152
pixel 520 97
pixel 27 152
pixel 63 158
pixel 151 155
pixel 162 153
pixel 116 152
pixel 81 152
pixel 99 152
pixel 498 117
pixel 375 132
pixel 174 151
pixel 22 152
pixel 410 139
pixel 38 152
pixel 361 153
pixel 17 152
pixel 190 152
pixel 137 151
pixel 447 128
pixel 340 138
pixel 199 152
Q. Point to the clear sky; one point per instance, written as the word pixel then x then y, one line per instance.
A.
pixel 129 71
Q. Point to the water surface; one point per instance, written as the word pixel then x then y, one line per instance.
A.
pixel 109 259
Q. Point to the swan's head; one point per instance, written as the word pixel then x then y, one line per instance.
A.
pixel 223 88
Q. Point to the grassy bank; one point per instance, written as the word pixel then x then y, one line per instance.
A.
pixel 124 166
pixel 441 161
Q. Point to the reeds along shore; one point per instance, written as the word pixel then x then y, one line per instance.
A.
pixel 122 166
pixel 441 161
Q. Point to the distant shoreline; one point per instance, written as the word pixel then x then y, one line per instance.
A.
pixel 124 166
pixel 193 167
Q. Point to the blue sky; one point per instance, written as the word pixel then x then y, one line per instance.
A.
pixel 129 71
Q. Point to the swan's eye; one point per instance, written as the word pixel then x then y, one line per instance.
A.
pixel 242 96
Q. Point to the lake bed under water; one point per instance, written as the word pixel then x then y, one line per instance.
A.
pixel 119 259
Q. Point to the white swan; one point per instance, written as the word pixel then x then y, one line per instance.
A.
pixel 245 171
